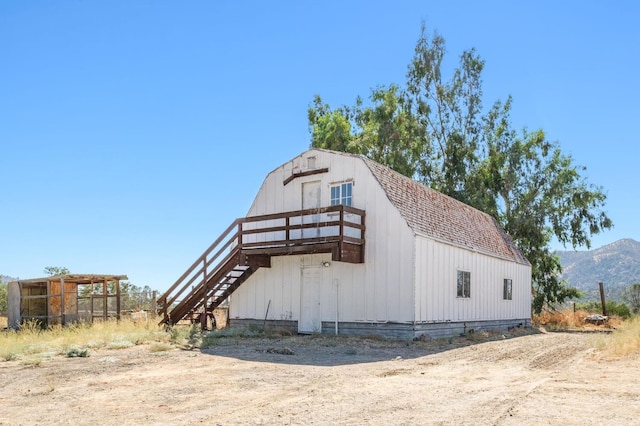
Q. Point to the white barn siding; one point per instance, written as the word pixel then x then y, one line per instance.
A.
pixel 436 285
pixel 381 289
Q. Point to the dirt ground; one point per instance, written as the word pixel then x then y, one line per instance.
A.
pixel 534 378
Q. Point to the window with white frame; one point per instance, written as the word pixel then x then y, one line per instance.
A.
pixel 341 193
pixel 507 289
pixel 464 284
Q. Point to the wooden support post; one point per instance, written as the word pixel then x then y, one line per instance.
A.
pixel 287 235
pixel 341 243
pixel 48 311
pixel 118 299
pixel 204 269
pixel 62 319
pixel 91 300
pixel 604 306
pixel 105 308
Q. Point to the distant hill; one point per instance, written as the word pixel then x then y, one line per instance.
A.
pixel 616 265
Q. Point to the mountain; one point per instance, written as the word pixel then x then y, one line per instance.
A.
pixel 616 265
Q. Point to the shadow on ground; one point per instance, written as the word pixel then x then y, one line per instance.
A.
pixel 328 351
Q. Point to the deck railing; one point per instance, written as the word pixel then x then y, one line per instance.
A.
pixel 341 227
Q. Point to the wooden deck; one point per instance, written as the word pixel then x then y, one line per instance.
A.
pixel 250 242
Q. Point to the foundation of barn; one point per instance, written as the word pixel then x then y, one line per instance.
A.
pixel 395 330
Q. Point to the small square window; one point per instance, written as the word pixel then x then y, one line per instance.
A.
pixel 507 289
pixel 311 163
pixel 341 194
pixel 464 284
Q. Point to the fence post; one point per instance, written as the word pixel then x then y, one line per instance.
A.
pixel 604 306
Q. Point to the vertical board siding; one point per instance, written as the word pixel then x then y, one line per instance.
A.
pixel 381 289
pixel 436 285
pixel 404 279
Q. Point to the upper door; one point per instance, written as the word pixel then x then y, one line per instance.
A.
pixel 311 199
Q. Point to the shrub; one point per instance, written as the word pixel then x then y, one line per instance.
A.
pixel 563 319
pixel 75 352
pixel 613 308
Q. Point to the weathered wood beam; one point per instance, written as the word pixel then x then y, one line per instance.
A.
pixel 305 173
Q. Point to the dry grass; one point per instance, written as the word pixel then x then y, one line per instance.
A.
pixel 31 341
pixel 31 344
pixel 567 319
pixel 623 342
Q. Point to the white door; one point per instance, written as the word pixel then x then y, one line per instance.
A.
pixel 311 199
pixel 310 320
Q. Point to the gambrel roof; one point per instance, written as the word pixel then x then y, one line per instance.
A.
pixel 438 216
pixel 434 215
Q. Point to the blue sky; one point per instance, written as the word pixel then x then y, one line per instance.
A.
pixel 134 132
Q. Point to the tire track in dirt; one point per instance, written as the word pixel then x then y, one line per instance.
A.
pixel 519 380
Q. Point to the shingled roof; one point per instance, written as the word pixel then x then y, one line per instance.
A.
pixel 433 214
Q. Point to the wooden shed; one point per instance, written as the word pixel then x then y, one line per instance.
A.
pixel 63 299
pixel 337 243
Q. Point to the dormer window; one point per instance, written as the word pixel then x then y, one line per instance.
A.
pixel 341 193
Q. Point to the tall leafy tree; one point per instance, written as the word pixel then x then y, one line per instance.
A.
pixel 332 129
pixel 537 193
pixel 437 131
pixel 449 114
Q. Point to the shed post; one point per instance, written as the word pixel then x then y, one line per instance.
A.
pixel 62 319
pixel 91 300
pixel 118 299
pixel 105 299
pixel 14 301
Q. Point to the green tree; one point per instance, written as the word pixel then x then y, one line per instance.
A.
pixel 4 297
pixel 537 193
pixel 631 295
pixel 384 131
pixel 331 129
pixel 133 297
pixel 437 131
pixel 55 271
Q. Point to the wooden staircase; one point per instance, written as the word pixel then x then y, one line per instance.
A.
pixel 249 243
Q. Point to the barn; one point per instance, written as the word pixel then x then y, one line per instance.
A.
pixel 337 243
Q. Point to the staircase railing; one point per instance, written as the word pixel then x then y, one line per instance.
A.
pixel 275 234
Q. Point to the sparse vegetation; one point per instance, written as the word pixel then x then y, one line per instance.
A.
pixel 613 308
pixel 622 337
pixel 625 341
pixel 75 352
pixel 567 319
pixel 160 347
pixel 77 339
